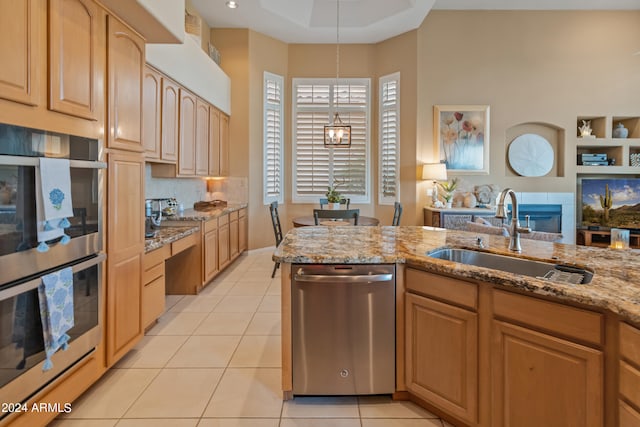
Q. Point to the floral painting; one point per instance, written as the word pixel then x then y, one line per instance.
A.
pixel 462 135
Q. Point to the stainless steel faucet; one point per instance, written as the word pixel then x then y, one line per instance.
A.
pixel 501 212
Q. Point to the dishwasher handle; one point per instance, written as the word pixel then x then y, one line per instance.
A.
pixel 360 278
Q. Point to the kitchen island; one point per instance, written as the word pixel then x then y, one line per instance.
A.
pixel 503 327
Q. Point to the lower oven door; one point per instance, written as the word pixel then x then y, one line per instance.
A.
pixel 21 340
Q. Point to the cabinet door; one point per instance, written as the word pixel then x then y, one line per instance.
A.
pixel 151 113
pixel 202 138
pixel 242 233
pixel 125 247
pixel 234 235
pixel 223 246
pixel 442 355
pixel 214 142
pixel 74 34
pixel 19 41
pixel 541 380
pixel 170 120
pixel 125 58
pixel 186 151
pixel 210 255
pixel 224 145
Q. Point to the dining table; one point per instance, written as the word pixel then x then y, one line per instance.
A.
pixel 303 221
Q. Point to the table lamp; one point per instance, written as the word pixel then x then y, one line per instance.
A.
pixel 434 172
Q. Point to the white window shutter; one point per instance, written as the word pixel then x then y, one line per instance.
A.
pixel 389 139
pixel 273 139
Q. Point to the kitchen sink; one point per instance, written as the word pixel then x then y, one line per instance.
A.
pixel 526 267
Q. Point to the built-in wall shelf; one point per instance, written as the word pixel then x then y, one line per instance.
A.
pixel 625 151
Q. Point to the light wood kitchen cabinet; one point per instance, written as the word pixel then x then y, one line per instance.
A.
pixel 442 343
pixel 125 59
pixel 20 45
pixel 187 139
pixel 170 120
pixel 74 28
pixel 629 376
pixel 224 144
pixel 538 350
pixel 152 113
pixel 202 138
pixel 224 257
pixel 234 235
pixel 243 226
pixel 214 142
pixel 153 284
pixel 211 266
pixel 125 247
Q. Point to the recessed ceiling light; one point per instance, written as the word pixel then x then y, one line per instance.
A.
pixel 231 4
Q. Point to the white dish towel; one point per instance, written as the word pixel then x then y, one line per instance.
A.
pixel 53 200
pixel 55 295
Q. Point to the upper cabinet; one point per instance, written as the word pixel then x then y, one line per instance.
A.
pixel 19 46
pixel 125 59
pixel 224 144
pixel 170 120
pixel 74 28
pixel 151 113
pixel 202 138
pixel 186 153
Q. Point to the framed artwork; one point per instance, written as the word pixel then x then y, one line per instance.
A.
pixel 461 133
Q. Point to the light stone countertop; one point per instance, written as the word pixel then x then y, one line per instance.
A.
pixel 615 285
pixel 194 215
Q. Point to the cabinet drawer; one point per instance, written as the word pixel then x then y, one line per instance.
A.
pixel 153 301
pixel 630 383
pixel 153 273
pixel 629 417
pixel 184 243
pixel 549 316
pixel 443 288
pixel 211 225
pixel 222 220
pixel 242 212
pixel 155 257
pixel 233 216
pixel 630 343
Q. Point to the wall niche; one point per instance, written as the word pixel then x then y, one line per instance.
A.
pixel 553 134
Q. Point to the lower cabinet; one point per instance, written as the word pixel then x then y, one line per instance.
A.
pixel 234 247
pixel 243 226
pixel 629 376
pixel 542 380
pixel 211 266
pixel 442 342
pixel 153 284
pixel 224 257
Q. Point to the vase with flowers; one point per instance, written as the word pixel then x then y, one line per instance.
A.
pixel 448 189
pixel 333 196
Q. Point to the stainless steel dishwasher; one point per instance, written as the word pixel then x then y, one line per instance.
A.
pixel 343 329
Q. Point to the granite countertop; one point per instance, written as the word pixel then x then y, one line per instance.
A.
pixel 168 234
pixel 615 285
pixel 194 215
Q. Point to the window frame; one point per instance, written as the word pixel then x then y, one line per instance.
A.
pixel 331 82
pixel 266 107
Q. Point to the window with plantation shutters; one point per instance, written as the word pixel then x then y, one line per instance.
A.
pixel 389 140
pixel 315 167
pixel 273 139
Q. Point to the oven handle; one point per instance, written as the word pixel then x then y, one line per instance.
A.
pixel 35 161
pixel 32 284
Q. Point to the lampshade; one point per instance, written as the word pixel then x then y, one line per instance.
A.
pixel 336 133
pixel 434 171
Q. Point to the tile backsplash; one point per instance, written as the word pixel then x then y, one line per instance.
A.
pixel 190 190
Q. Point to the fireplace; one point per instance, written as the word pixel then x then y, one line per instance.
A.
pixel 542 217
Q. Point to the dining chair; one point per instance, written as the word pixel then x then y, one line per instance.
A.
pixel 343 201
pixel 397 213
pixel 345 214
pixel 277 230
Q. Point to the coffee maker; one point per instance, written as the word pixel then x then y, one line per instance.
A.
pixel 153 217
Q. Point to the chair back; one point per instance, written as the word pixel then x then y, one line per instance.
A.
pixel 346 214
pixel 343 201
pixel 275 220
pixel 397 213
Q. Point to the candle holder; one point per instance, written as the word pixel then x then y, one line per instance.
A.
pixel 619 238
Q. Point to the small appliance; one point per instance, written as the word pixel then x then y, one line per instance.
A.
pixel 153 217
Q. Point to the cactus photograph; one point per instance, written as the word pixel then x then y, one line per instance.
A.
pixel 611 203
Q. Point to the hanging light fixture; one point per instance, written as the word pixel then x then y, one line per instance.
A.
pixel 337 134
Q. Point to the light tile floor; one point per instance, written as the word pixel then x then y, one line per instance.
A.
pixel 213 360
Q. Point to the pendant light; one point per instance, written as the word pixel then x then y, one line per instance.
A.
pixel 337 134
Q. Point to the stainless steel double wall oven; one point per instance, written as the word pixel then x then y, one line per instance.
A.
pixel 22 266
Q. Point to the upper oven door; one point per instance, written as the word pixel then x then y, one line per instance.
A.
pixel 18 233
